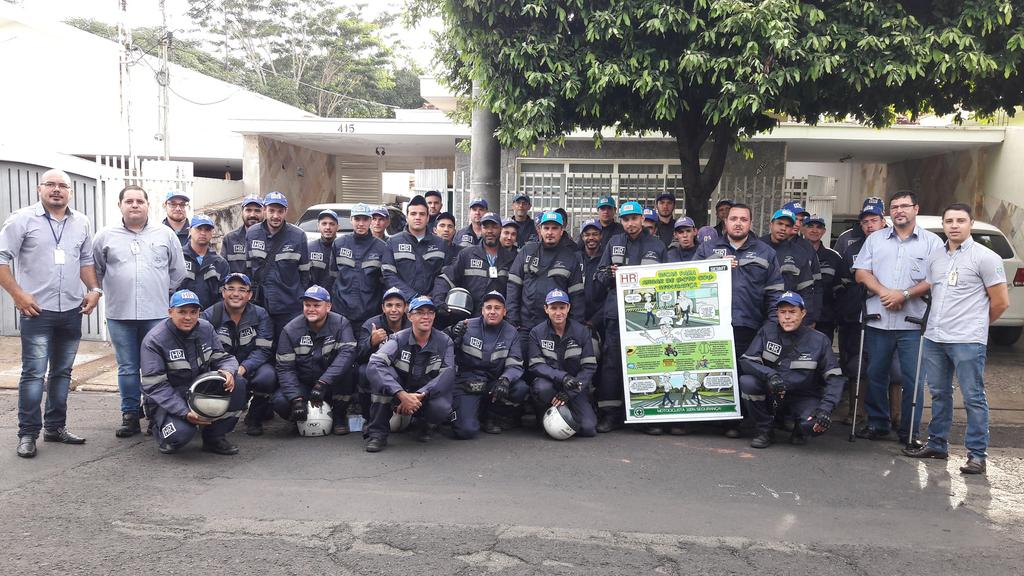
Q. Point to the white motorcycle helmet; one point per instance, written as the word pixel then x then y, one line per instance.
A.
pixel 207 396
pixel 559 423
pixel 318 422
pixel 399 422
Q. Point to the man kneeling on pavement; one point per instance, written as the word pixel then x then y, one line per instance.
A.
pixel 411 374
pixel 790 368
pixel 174 353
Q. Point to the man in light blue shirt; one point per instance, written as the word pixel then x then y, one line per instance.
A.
pixel 50 245
pixel 893 266
pixel 139 263
pixel 969 292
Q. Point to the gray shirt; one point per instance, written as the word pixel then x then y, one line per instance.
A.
pixel 138 270
pixel 960 301
pixel 898 265
pixel 29 239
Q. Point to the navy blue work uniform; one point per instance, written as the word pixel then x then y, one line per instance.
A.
pixel 358 287
pixel 232 249
pixel 610 231
pixel 536 271
pixel 485 354
pixel 831 264
pixel 677 253
pixel 552 358
pixel 620 251
pixel 363 350
pixel 798 264
pixel 204 275
pixel 806 363
pixel 181 234
pixel 594 292
pixel 412 265
pixel 401 364
pixel 466 237
pixel 527 232
pixel 322 266
pixel 305 357
pixel 279 269
pixel 171 360
pixel 756 285
pixel 251 342
pixel 476 271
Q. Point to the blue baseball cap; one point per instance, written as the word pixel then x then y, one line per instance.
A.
pixel 791 298
pixel 361 209
pixel 201 220
pixel 872 205
pixel 252 200
pixel 590 223
pixel 605 201
pixel 329 213
pixel 552 217
pixel 493 295
pixel 276 198
pixel 814 219
pixel 392 292
pixel 237 276
pixel 183 298
pixel 177 194
pixel 650 214
pixel 556 295
pixel 521 196
pixel 784 213
pixel 478 202
pixel 421 301
pixel 796 208
pixel 685 222
pixel 315 292
pixel 706 234
pixel 665 196
pixel 509 222
pixel 630 208
pixel 491 217
pixel 381 211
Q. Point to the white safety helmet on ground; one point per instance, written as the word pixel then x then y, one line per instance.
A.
pixel 207 396
pixel 399 422
pixel 559 422
pixel 318 422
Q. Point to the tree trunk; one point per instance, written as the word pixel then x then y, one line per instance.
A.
pixel 699 182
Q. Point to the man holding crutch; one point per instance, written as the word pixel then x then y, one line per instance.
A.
pixel 969 292
pixel 892 266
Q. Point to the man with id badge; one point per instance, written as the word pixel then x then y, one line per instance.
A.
pixel 50 247
pixel 480 268
pixel 139 264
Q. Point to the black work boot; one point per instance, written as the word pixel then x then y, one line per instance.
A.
pixel 762 440
pixel 341 419
pixel 129 425
pixel 254 416
pixel 607 422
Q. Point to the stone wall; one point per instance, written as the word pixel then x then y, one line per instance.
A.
pixel 306 176
pixel 943 179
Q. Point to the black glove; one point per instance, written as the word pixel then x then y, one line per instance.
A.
pixel 563 397
pixel 571 383
pixel 822 419
pixel 501 389
pixel 457 331
pixel 299 410
pixel 777 385
pixel 316 395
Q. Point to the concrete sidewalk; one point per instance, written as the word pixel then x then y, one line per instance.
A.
pixel 96 371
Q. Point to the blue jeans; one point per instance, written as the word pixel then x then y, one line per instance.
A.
pixel 968 362
pixel 880 346
pixel 126 336
pixel 51 338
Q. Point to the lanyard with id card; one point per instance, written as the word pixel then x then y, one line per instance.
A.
pixel 59 258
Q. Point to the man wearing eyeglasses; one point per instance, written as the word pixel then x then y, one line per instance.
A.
pixel 176 206
pixel 50 244
pixel 893 267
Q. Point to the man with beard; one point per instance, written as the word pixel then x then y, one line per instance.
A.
pixel 315 355
pixel 797 261
pixel 204 269
pixel 526 229
pixel 374 332
pixel 233 246
pixel 480 268
pixel 434 202
pixel 414 257
pixel 322 267
pixel 665 204
pixel 174 353
pixel 509 238
pixel 246 332
pixel 279 260
pixel 488 384
pixel 358 257
pixel 176 207
pixel 470 235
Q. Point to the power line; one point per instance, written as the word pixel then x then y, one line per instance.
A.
pixel 353 98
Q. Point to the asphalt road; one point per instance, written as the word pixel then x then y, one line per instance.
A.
pixel 622 503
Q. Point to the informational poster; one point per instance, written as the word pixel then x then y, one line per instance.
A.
pixel 675 321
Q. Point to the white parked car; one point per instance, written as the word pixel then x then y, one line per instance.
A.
pixel 308 220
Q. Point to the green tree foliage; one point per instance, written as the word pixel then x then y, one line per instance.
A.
pixel 712 73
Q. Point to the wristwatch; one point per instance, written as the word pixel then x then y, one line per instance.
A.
pixel 96 290
pixel 906 294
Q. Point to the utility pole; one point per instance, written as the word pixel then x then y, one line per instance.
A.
pixel 164 80
pixel 124 38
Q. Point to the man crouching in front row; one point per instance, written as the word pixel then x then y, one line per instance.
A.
pixel 412 374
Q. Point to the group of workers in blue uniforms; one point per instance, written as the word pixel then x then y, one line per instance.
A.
pixel 356 318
